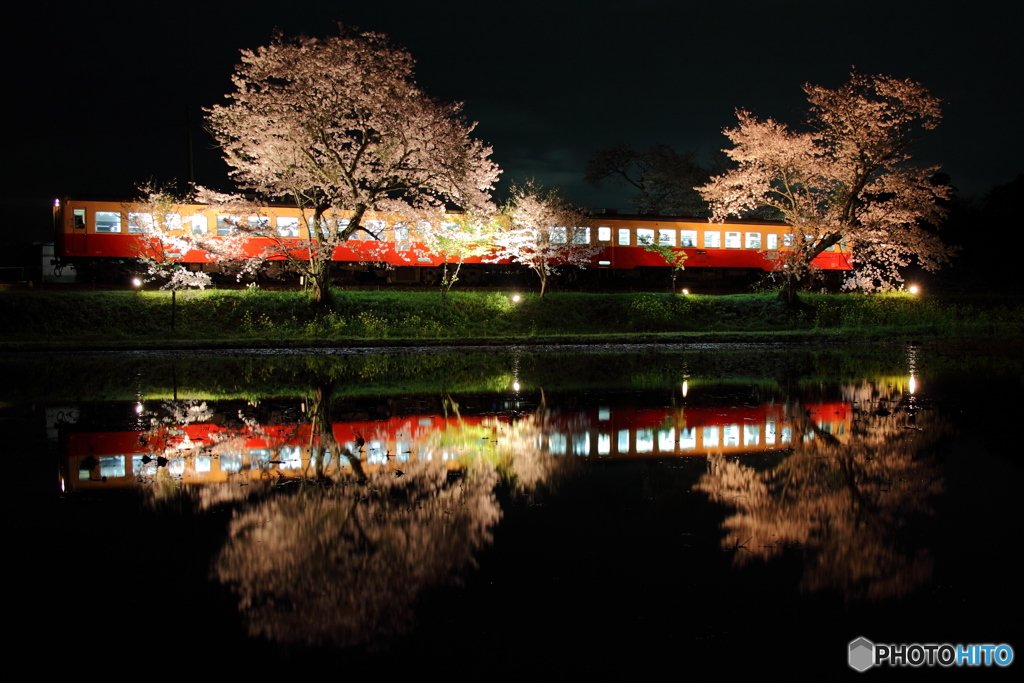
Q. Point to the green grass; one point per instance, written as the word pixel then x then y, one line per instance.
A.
pixel 284 318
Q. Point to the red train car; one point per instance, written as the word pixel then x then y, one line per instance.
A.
pixel 92 233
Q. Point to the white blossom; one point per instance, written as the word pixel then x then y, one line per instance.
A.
pixel 845 180
pixel 544 232
pixel 338 126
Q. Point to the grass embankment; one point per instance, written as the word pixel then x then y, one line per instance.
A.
pixel 259 318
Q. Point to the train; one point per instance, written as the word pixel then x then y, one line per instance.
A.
pixel 101 240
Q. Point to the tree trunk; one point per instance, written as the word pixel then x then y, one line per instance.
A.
pixel 320 281
pixel 788 292
pixel 446 282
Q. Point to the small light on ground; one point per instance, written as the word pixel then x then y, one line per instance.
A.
pixel 684 292
pixel 136 282
pixel 515 298
pixel 913 289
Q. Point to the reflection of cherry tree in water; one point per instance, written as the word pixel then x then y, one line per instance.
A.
pixel 341 557
pixel 343 561
pixel 523 448
pixel 844 500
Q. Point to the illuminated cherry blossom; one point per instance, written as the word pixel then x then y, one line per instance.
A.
pixel 846 180
pixel 339 127
pixel 544 232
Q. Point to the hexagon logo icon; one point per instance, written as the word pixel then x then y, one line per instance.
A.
pixel 862 654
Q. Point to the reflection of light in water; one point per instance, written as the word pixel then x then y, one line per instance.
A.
pixel 912 366
pixel 686 388
pixel 515 386
pixel 138 408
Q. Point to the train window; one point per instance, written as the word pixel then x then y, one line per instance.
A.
pixel 226 225
pixel 604 444
pixel 200 224
pixel 604 234
pixel 79 219
pixel 288 226
pixel 449 226
pixel 787 239
pixel 140 223
pixel 581 235
pixel 667 238
pixel 622 442
pixel 751 435
pixel 712 239
pixel 773 241
pixel 644 236
pixel 623 237
pixel 401 232
pixel 260 224
pixel 753 240
pixel 667 440
pixel 375 229
pixel 343 223
pixel 557 234
pixel 687 238
pixel 108 221
pixel 687 438
pixel 644 440
pixel 731 435
pixel 732 240
pixel 710 437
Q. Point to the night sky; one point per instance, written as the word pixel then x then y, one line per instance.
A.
pixel 99 97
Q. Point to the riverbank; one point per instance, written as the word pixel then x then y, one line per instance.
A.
pixel 254 319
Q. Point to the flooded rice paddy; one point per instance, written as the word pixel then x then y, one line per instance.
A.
pixel 484 513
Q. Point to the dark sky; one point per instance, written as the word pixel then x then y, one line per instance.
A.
pixel 98 96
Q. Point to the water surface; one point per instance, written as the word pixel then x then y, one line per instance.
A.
pixel 538 512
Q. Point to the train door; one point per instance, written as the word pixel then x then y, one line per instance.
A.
pixel 78 231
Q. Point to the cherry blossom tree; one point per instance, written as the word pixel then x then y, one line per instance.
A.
pixel 166 234
pixel 845 180
pixel 338 126
pixel 544 232
pixel 456 238
pixel 164 239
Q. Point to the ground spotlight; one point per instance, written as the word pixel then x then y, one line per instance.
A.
pixel 515 298
pixel 914 289
pixel 136 282
pixel 684 292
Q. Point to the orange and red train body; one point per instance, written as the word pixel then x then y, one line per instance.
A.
pixel 89 231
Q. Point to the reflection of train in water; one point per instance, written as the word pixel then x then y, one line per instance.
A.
pixel 204 452
pixel 91 236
